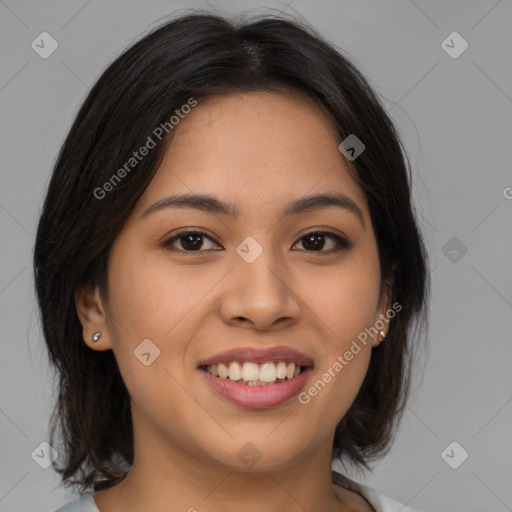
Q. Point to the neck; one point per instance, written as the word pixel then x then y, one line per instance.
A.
pixel 171 479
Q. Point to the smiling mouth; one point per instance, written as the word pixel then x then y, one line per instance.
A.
pixel 252 374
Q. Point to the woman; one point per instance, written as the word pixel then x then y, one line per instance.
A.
pixel 228 268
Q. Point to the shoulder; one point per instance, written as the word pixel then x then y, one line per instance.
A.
pixel 84 503
pixel 380 502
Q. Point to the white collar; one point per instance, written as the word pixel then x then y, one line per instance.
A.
pixel 379 501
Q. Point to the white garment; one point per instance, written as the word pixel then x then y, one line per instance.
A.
pixel 379 502
pixel 83 504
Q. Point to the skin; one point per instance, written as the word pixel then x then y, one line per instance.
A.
pixel 258 150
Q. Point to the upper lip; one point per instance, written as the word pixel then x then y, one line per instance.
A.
pixel 260 356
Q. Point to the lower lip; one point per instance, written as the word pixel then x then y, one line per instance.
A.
pixel 254 397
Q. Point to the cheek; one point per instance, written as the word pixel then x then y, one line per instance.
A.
pixel 345 299
pixel 149 295
pixel 346 309
pixel 333 390
pixel 151 308
pixel 155 308
pixel 344 302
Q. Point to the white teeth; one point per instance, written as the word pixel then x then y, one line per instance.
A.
pixel 254 374
pixel 223 370
pixel 268 372
pixel 250 371
pixel 281 370
pixel 235 371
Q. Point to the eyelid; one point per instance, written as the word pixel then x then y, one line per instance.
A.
pixel 171 239
pixel 342 241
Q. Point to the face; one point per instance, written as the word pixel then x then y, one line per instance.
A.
pixel 187 284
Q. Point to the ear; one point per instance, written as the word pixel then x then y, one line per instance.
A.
pixel 92 315
pixel 381 318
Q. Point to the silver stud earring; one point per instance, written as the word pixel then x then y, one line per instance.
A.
pixel 96 336
pixel 382 335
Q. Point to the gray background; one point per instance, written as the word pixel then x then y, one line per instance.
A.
pixel 455 117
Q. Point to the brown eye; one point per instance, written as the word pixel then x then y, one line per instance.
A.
pixel 315 241
pixel 190 241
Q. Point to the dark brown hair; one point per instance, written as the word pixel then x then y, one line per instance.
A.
pixel 196 56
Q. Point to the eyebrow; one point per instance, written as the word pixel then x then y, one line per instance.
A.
pixel 211 204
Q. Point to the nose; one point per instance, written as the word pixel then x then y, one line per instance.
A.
pixel 259 295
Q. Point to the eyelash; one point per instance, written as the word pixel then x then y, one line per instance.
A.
pixel 341 243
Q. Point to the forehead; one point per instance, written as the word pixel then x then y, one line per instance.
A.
pixel 254 148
